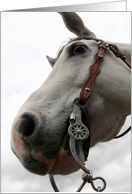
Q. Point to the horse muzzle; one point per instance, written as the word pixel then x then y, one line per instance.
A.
pixel 41 151
pixel 26 130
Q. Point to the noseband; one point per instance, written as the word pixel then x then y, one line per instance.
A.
pixel 77 130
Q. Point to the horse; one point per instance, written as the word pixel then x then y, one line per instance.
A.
pixel 39 134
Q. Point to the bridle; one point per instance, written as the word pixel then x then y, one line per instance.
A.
pixel 77 130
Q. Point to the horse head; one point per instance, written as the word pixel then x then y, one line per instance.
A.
pixel 39 135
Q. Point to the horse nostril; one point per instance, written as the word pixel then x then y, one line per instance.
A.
pixel 25 125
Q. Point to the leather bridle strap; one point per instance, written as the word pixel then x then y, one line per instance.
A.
pixel 95 69
pixel 118 54
pixel 88 87
pixel 124 133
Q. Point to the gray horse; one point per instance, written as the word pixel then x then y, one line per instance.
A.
pixel 39 136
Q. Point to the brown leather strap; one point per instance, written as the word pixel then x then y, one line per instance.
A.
pixel 124 133
pixel 95 69
pixel 119 54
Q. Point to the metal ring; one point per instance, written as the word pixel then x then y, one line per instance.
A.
pixel 98 189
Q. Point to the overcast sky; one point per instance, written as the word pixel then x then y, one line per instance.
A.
pixel 26 39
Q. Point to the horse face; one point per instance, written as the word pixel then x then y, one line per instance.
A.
pixel 40 131
pixel 39 136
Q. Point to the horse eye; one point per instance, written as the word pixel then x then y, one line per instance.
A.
pixel 79 49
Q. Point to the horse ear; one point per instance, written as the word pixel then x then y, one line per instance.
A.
pixel 52 61
pixel 75 24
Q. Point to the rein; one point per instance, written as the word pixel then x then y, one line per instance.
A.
pixel 77 130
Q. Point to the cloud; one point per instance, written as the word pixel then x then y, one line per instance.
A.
pixel 26 39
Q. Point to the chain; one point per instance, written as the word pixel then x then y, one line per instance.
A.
pixel 87 178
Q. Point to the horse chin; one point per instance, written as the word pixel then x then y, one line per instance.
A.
pixel 65 163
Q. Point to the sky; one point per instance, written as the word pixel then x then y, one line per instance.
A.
pixel 26 39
